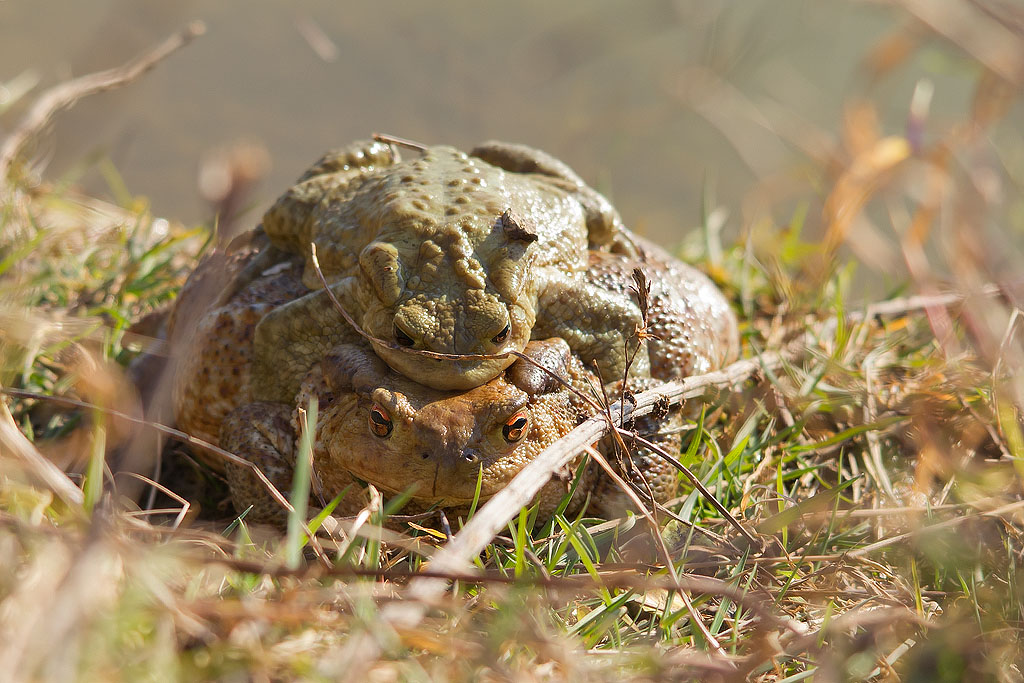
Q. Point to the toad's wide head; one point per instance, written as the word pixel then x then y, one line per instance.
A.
pixel 449 295
pixel 397 435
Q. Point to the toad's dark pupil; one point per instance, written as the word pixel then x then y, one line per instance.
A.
pixel 501 336
pixel 380 423
pixel 402 338
pixel 514 429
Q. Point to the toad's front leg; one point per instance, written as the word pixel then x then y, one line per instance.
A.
pixel 291 338
pixel 598 322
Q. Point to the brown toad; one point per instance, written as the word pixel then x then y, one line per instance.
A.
pixel 383 429
pixel 448 252
pixel 377 426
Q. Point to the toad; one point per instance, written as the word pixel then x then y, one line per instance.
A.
pixel 447 252
pixel 377 426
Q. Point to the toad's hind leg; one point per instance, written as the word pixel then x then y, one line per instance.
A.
pixel 262 434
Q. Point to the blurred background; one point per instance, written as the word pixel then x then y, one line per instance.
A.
pixel 668 107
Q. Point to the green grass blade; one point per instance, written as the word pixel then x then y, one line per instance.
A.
pixel 296 537
pixel 93 485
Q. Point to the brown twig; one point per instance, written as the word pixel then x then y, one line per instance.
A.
pixel 401 142
pixel 892 540
pixel 66 94
pixel 624 578
pixel 662 547
pixel 627 576
pixel 179 513
pixel 697 484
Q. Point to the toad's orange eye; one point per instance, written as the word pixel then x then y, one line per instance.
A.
pixel 501 336
pixel 515 428
pixel 380 423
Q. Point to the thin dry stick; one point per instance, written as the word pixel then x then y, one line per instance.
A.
pixel 631 577
pixel 917 302
pixel 874 462
pixel 180 512
pixel 401 142
pixel 846 623
pixel 66 94
pixel 667 556
pixel 697 484
pixel 357 524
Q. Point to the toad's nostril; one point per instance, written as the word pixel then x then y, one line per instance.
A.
pixel 470 457
pixel 425 455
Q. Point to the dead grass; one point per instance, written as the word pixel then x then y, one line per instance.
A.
pixel 875 462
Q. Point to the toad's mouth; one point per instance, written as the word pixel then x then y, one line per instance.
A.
pixel 446 372
pixel 430 490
